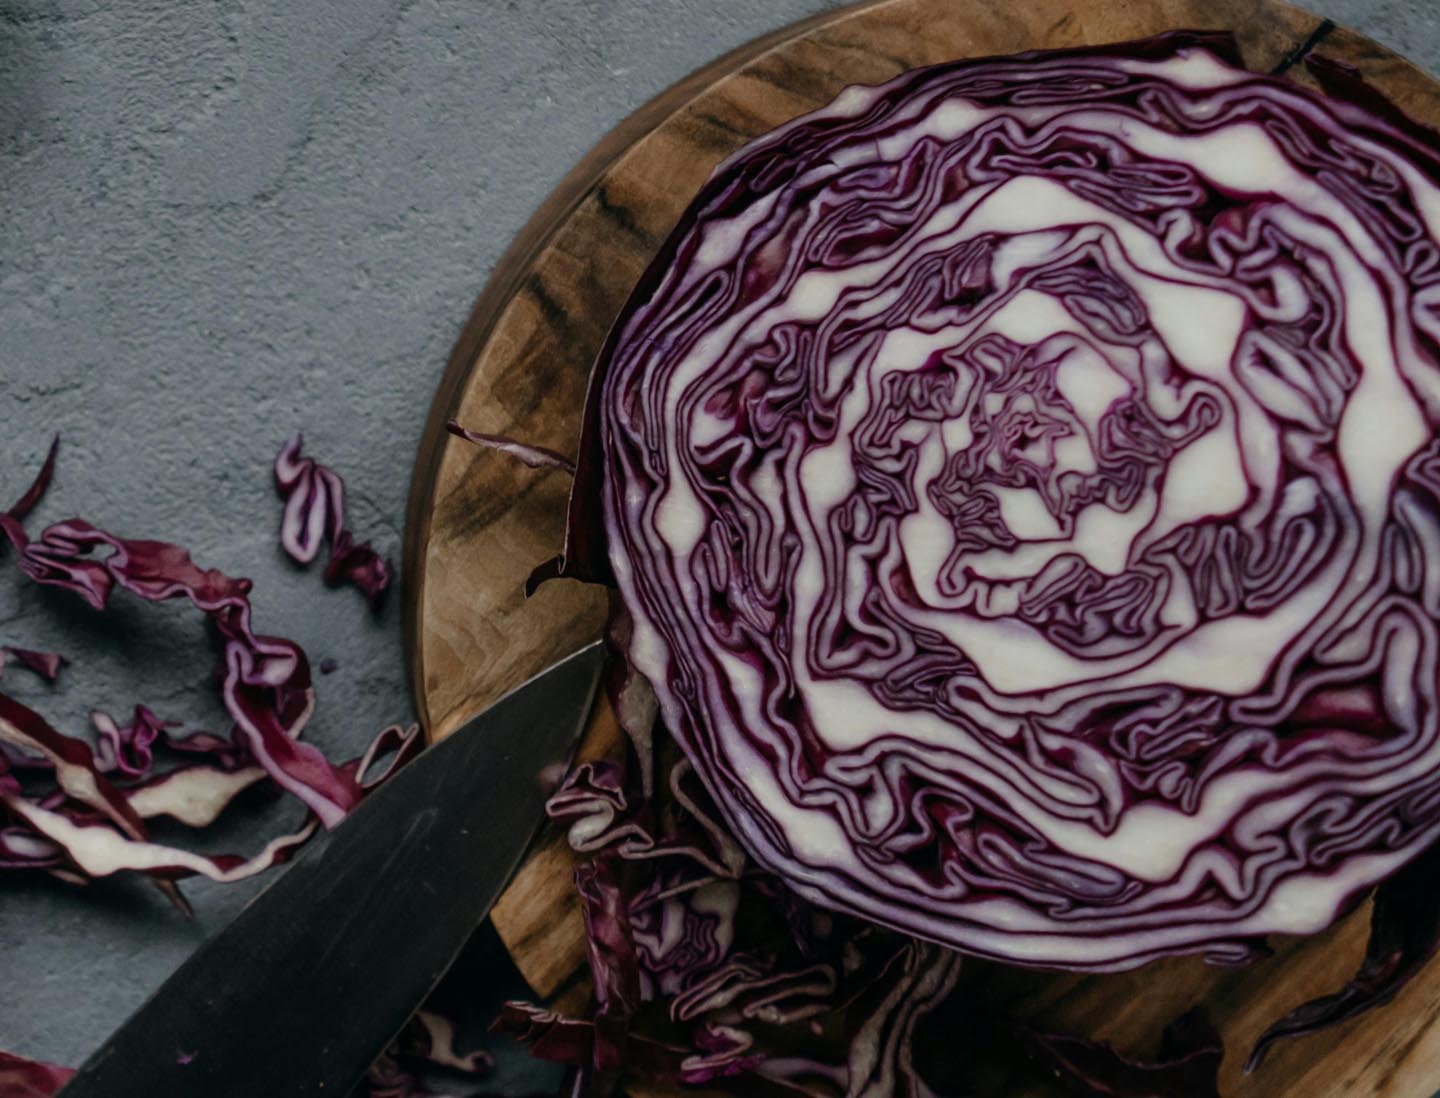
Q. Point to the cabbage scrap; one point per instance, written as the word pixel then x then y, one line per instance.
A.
pixel 314 511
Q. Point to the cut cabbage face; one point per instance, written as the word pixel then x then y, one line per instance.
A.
pixel 1023 480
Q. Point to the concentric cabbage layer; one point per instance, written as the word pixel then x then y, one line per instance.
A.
pixel 1024 481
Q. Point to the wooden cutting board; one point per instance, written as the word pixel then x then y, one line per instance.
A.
pixel 477 522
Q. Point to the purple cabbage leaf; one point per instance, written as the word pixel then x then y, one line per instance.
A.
pixel 314 512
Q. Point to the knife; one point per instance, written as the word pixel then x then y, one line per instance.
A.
pixel 313 979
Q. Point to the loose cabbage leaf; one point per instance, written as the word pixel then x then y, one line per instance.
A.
pixel 20 1078
pixel 79 812
pixel 314 511
pixel 537 457
pixel 45 664
pixel 1404 933
pixel 1190 1052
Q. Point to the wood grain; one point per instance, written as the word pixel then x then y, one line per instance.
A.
pixel 478 523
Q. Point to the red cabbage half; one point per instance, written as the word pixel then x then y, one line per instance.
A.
pixel 1023 479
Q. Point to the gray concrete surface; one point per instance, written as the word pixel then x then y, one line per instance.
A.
pixel 220 222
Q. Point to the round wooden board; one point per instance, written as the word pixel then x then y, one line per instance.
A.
pixel 477 522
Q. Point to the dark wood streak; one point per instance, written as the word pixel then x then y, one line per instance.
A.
pixel 712 135
pixel 486 497
pixel 841 40
pixel 1303 50
pixel 714 120
pixel 554 313
pixel 796 83
pixel 1395 1051
pixel 622 217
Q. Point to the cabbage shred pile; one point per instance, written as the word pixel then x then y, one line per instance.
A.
pixel 78 807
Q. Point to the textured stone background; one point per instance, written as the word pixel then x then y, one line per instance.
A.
pixel 220 222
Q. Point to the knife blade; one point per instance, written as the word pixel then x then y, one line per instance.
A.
pixel 317 974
